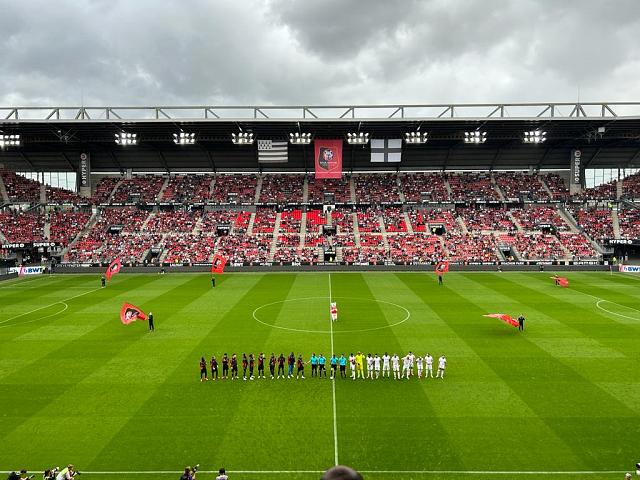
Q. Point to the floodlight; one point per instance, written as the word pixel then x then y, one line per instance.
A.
pixel 242 138
pixel 300 138
pixel 475 136
pixel 416 137
pixel 360 138
pixel 184 138
pixel 124 138
pixel 10 141
pixel 534 136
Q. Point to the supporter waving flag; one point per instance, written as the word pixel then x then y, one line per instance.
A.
pixel 508 319
pixel 218 264
pixel 113 268
pixel 560 281
pixel 442 267
pixel 130 313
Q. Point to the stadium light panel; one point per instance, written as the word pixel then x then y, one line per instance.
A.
pixel 360 138
pixel 10 141
pixel 534 136
pixel 184 138
pixel 242 138
pixel 125 138
pixel 300 138
pixel 416 137
pixel 475 136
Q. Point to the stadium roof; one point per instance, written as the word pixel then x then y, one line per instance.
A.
pixel 53 137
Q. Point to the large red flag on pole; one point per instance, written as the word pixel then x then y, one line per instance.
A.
pixel 113 268
pixel 442 267
pixel 328 158
pixel 218 264
pixel 508 319
pixel 130 313
pixel 561 281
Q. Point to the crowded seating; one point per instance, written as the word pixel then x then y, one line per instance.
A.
pixel 471 247
pixel 315 220
pixel 187 188
pixel 406 248
pixel 486 219
pixel 339 187
pixel 595 222
pixel 631 187
pixel 237 188
pixel 245 248
pixel 189 247
pixel 556 186
pixel 22 227
pixel 173 222
pixel 368 220
pixel 363 255
pixel 521 186
pixel 104 189
pixel 394 220
pixel 372 241
pixel 472 186
pixel 629 223
pixel 530 218
pixel 239 220
pixel 578 245
pixel 538 246
pixel 65 226
pixel 128 247
pixel 606 191
pixel 418 187
pixel 61 195
pixel 144 188
pixel 421 220
pixel 376 188
pixel 282 189
pixel 19 188
pixel 342 218
pixel 264 221
pixel 290 221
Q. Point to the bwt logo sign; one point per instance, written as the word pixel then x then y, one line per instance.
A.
pixel 630 268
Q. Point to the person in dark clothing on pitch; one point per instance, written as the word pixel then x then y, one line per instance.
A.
pixel 152 327
pixel 521 322
pixel 103 281
pixel 439 279
pixel 213 282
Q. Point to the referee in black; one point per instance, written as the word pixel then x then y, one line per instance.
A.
pixel 521 322
pixel 152 328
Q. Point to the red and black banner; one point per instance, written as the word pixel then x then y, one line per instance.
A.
pixel 218 264
pixel 328 158
pixel 560 281
pixel 442 267
pixel 508 319
pixel 130 313
pixel 113 268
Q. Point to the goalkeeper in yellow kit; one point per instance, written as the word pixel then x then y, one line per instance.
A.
pixel 359 365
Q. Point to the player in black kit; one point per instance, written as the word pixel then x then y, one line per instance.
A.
pixel 225 366
pixel 234 367
pixel 261 365
pixel 252 363
pixel 272 365
pixel 281 365
pixel 214 368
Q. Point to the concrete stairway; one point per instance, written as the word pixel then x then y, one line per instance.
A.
pixel 497 188
pixel 252 220
pixel 407 222
pixel 256 198
pixel 383 229
pixel 515 222
pixel 4 196
pixel 356 230
pixel 305 190
pixel 303 228
pixel 198 226
pixel 352 189
pixel 92 220
pixel 616 223
pixel 448 187
pixel 569 220
pixel 545 186
pixel 400 192
pixel 274 240
pixel 462 225
pixel 146 220
pixel 113 192
pixel 47 230
pixel 162 189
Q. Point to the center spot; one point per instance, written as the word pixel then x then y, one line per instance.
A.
pixel 311 314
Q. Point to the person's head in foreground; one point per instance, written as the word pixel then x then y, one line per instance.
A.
pixel 340 472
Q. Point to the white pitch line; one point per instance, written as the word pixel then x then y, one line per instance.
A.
pixel 333 386
pixel 47 306
pixel 381 472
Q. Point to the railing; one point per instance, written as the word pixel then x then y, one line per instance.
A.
pixel 443 111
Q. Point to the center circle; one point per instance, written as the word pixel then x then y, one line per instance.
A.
pixel 309 314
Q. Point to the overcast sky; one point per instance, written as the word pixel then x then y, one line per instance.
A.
pixel 147 52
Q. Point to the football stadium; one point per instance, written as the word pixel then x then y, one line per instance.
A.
pixel 384 231
pixel 319 240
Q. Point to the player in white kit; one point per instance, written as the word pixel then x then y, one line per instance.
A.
pixel 406 366
pixel 333 309
pixel 395 362
pixel 419 365
pixel 412 359
pixel 385 364
pixel 428 366
pixel 369 366
pixel 376 365
pixel 442 363
pixel 352 366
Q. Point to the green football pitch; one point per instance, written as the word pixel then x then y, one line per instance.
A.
pixel 559 400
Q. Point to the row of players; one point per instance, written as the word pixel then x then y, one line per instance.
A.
pixel 375 365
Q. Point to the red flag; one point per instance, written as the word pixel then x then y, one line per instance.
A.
pixel 130 313
pixel 442 267
pixel 561 281
pixel 504 317
pixel 113 268
pixel 218 264
pixel 328 156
